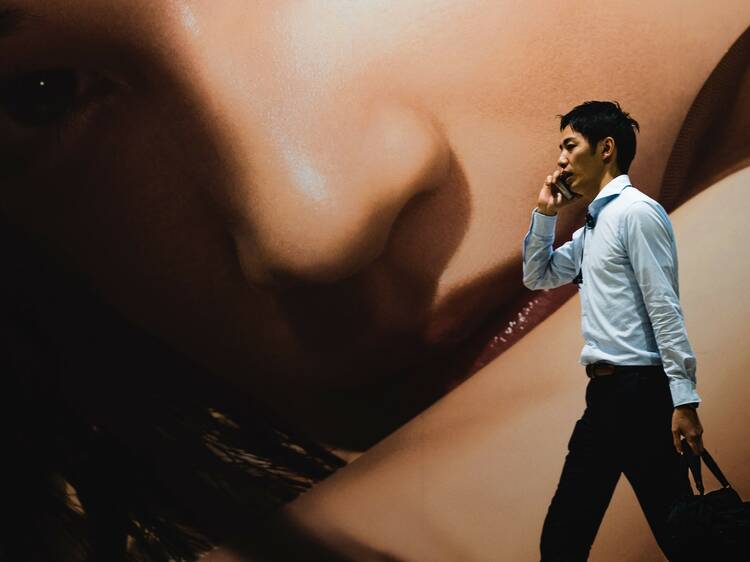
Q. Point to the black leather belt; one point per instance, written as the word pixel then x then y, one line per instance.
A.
pixel 595 370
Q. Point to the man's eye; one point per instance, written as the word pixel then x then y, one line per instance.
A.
pixel 40 98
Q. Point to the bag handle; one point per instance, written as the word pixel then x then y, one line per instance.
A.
pixel 694 465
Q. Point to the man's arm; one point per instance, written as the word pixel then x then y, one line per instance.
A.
pixel 543 267
pixel 648 237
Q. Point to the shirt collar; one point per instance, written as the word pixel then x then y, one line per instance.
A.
pixel 608 193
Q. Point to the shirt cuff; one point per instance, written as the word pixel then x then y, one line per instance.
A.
pixel 543 225
pixel 683 392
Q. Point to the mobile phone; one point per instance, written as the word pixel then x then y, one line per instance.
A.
pixel 563 188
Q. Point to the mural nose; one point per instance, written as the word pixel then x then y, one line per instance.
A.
pixel 321 211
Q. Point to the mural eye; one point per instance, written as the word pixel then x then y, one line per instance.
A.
pixel 40 98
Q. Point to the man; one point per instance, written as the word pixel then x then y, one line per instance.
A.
pixel 641 398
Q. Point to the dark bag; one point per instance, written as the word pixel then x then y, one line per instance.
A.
pixel 713 527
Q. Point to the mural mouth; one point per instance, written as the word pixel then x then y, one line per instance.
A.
pixel 502 327
pixel 445 366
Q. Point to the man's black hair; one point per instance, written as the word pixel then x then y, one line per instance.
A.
pixel 596 120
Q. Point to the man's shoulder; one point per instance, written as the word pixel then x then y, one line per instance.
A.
pixel 635 211
pixel 634 201
pixel 639 213
pixel 631 194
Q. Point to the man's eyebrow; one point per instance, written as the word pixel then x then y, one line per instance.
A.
pixel 11 20
pixel 566 139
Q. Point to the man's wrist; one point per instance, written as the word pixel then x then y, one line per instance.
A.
pixel 545 213
pixel 688 406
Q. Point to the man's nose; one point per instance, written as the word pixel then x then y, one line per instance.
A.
pixel 562 161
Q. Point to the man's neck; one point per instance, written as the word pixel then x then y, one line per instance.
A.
pixel 607 177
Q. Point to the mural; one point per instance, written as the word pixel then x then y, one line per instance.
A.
pixel 251 242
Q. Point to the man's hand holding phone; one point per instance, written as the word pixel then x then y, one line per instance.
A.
pixel 554 195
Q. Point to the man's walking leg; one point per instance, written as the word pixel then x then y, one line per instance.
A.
pixel 588 480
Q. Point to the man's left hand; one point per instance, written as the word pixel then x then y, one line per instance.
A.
pixel 685 423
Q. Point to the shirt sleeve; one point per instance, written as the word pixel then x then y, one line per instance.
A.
pixel 651 248
pixel 543 267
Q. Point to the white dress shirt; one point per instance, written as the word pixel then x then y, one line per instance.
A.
pixel 630 307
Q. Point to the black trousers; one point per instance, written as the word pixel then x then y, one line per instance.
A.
pixel 625 428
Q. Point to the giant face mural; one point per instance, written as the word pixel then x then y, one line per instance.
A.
pixel 322 203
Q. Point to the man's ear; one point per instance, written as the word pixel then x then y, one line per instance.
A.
pixel 607 148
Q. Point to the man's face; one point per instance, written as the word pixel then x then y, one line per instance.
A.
pixel 581 166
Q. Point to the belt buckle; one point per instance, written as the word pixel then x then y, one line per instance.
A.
pixel 594 370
